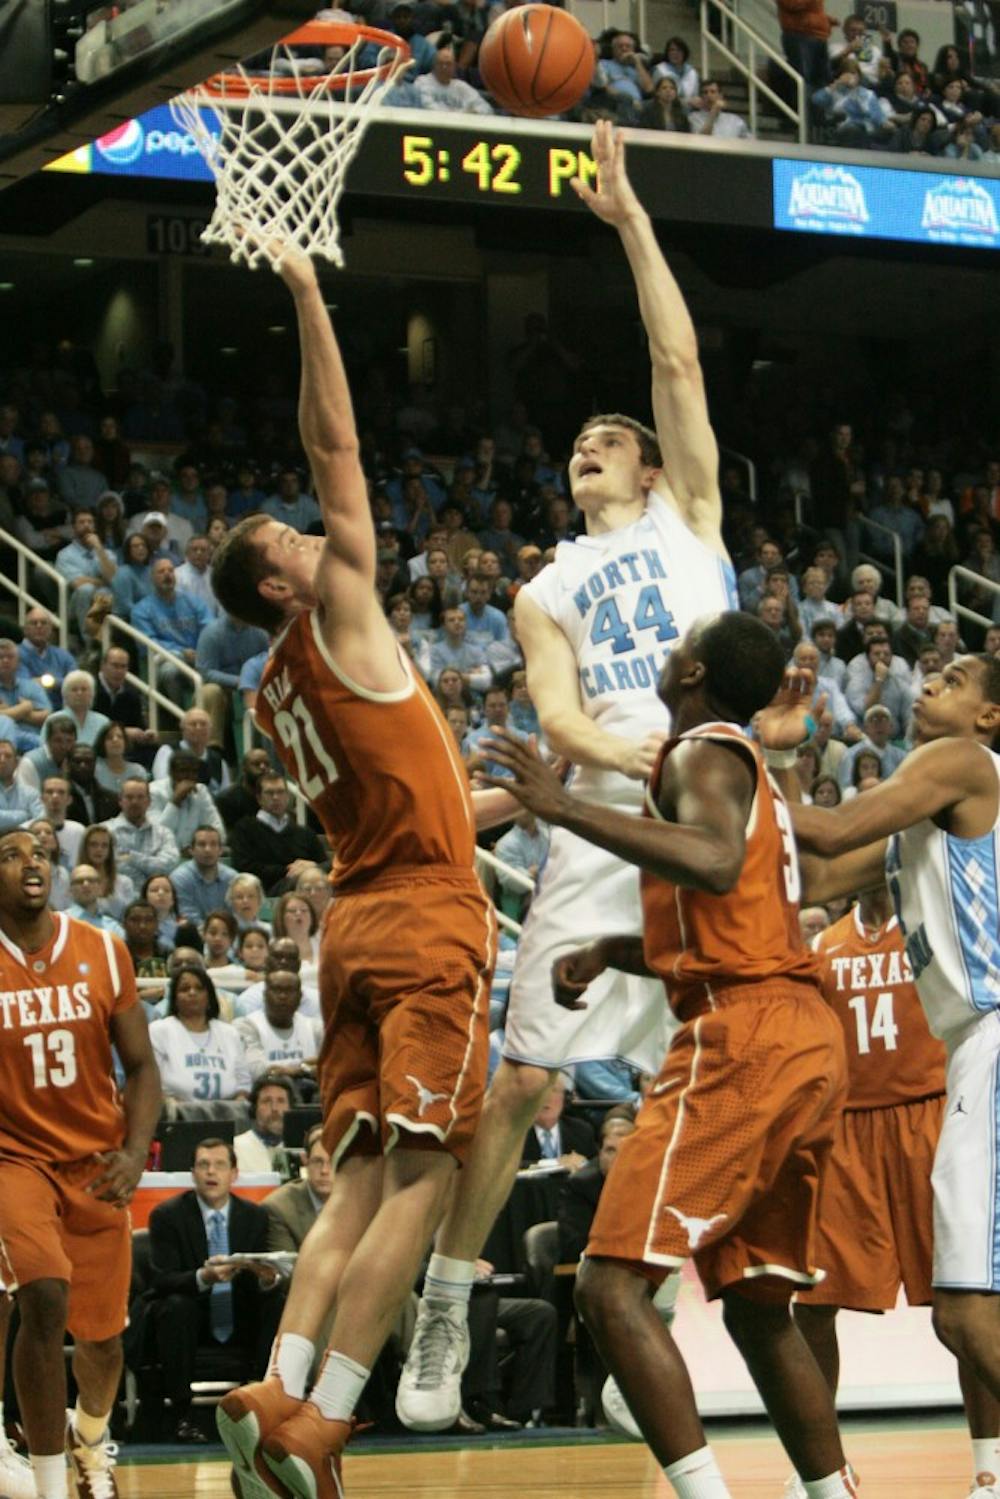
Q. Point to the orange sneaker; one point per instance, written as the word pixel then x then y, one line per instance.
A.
pixel 244 1418
pixel 304 1454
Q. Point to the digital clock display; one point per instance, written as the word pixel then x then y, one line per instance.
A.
pixel 496 167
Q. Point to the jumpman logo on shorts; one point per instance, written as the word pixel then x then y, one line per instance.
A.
pixel 958 1107
pixel 425 1095
pixel 695 1228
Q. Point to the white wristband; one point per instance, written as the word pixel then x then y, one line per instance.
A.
pixel 780 759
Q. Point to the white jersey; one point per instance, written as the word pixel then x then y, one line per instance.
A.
pixel 200 1066
pixel 947 895
pixel 622 599
pixel 264 1045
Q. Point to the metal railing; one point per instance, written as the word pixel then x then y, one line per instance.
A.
pixel 879 562
pixel 730 455
pixel 154 655
pixel 735 37
pixel 26 600
pixel 960 574
pixel 484 859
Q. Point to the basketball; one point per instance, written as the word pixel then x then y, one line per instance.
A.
pixel 537 60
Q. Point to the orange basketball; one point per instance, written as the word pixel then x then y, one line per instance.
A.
pixel 536 60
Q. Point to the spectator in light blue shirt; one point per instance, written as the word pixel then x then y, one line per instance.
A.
pixel 21 699
pixel 627 78
pixel 203 881
pixel 849 110
pixel 44 662
pixel 484 620
pixel 85 890
pixel 225 648
pixel 19 804
pixel 451 648
pixel 175 621
pixel 181 803
pixel 85 564
pixel 290 506
pixel 132 581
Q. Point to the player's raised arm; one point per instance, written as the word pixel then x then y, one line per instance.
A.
pixel 554 685
pixel 329 435
pixel 680 410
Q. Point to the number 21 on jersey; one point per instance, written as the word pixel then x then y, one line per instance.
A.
pixel 293 723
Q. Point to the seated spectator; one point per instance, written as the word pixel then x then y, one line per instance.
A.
pixel 120 701
pixel 982 559
pixel 814 603
pixel 259 1149
pixel 314 883
pixel 224 648
pixel 627 77
pixel 294 917
pixel 294 1208
pixel 19 803
pixel 777 614
pixel 149 959
pixel 457 719
pixel 240 799
pixel 825 791
pixel 850 638
pixel 187 498
pixel 196 738
pixel 43 526
pixel 90 803
pixel 159 891
pixel 50 758
pixel 84 887
pixel 245 899
pixel 109 522
pixel 59 896
pixel 278 1039
pixel 452 692
pixel 288 504
pixel 877 676
pixel 78 698
pixel 97 849
pixel 677 65
pixel 144 846
pixel 219 932
pixel 183 805
pixel 81 483
pixel 174 620
pixel 111 768
pixel 68 831
pixel 251 950
pixel 499 536
pixel 914 633
pixel 713 118
pixel 552 1137
pixel 21 699
pixel 581 1192
pixel 918 137
pixel 200 1303
pixel 455 648
pixel 166 533
pixel 272 843
pixel 907 60
pixel 991 155
pixel 440 89
pixel 525 847
pixel 194 575
pixel 85 565
pixel 45 663
pixel 900 102
pixel 282 952
pixel 482 617
pixel 947 640
pixel 752 581
pixel 878 728
pixel 203 881
pixel 866 770
pixel 200 1057
pixel 523 715
pixel 806 657
pixel 894 515
pixel 812 921
pixel 849 111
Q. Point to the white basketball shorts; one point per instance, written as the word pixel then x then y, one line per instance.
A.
pixel 583 893
pixel 966 1176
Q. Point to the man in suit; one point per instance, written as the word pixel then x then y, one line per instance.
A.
pixel 581 1192
pixel 122 703
pixel 293 1209
pixel 202 1301
pixel 571 1142
pixel 89 801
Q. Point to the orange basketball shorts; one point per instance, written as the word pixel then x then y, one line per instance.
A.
pixel 52 1229
pixel 730 1145
pixel 876 1209
pixel 405 970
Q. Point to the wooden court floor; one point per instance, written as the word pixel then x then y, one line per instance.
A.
pixel 913 1462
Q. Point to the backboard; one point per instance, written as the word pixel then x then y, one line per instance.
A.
pixel 72 70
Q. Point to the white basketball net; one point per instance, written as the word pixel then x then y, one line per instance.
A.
pixel 280 159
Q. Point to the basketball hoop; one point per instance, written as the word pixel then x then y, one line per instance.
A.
pixel 284 138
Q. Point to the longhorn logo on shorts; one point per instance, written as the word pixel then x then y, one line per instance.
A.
pixel 425 1096
pixel 695 1228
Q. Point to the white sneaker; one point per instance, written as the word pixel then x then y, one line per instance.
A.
pixel 793 1488
pixel 985 1487
pixel 615 1406
pixel 429 1395
pixel 16 1478
pixel 93 1468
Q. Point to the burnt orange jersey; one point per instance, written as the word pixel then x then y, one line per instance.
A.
pixel 60 1101
pixel 891 1055
pixel 702 943
pixel 381 770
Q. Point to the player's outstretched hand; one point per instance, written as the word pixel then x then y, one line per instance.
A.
pixel 535 785
pixel 572 973
pixel 295 269
pixel 614 199
pixel 118 1177
pixel 791 717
